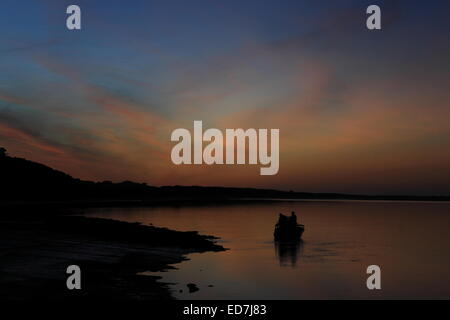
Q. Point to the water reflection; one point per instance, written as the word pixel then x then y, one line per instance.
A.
pixel 343 238
pixel 288 253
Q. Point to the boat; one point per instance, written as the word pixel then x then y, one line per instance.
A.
pixel 288 233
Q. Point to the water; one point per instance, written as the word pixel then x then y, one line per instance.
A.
pixel 410 241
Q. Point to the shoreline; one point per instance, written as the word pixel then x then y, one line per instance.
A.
pixel 35 253
pixel 73 206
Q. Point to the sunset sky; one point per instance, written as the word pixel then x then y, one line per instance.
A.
pixel 358 111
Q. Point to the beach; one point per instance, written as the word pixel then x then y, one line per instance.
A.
pixel 36 252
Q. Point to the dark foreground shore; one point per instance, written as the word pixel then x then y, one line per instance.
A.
pixel 35 253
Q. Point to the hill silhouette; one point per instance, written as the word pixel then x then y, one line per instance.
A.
pixel 24 180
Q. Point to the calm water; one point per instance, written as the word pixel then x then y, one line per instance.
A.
pixel 410 241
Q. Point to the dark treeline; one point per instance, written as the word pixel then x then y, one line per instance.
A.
pixel 24 180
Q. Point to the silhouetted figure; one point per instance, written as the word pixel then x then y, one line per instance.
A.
pixel 2 152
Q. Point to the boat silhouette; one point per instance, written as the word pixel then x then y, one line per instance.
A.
pixel 287 228
pixel 288 232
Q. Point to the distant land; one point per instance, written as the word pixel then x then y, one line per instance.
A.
pixel 40 236
pixel 25 181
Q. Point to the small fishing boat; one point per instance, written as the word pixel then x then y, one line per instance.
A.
pixel 288 233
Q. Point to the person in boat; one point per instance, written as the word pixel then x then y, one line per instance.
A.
pixel 293 219
pixel 282 220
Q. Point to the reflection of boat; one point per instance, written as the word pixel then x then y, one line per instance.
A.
pixel 288 252
pixel 288 233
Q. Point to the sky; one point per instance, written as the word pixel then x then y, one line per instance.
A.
pixel 359 111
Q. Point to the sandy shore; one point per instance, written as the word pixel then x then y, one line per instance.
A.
pixel 35 253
